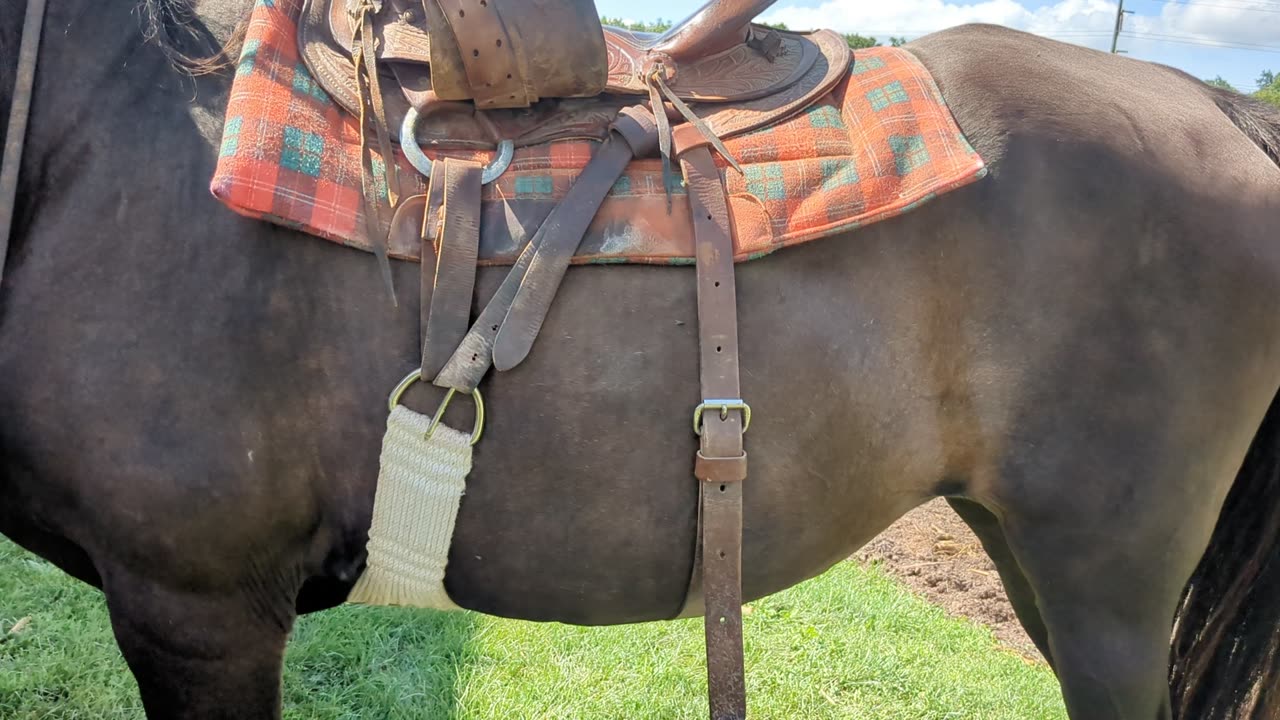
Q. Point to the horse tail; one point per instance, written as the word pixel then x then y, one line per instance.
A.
pixel 1225 661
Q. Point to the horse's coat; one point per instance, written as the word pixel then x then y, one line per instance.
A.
pixel 1078 350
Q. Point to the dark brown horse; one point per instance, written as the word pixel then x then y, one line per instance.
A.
pixel 1081 352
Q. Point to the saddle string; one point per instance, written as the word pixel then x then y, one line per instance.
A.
pixel 365 60
pixel 659 91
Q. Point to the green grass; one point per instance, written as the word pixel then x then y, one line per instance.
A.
pixel 850 644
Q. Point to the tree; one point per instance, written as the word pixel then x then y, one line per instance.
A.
pixel 857 42
pixel 1219 82
pixel 657 26
pixel 1270 88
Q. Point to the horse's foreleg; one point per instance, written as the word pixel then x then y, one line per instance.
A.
pixel 203 656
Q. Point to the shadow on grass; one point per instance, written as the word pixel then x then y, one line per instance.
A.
pixel 361 662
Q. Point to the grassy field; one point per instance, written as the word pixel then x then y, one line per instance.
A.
pixel 850 644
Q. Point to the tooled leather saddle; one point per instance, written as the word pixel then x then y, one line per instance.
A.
pixel 498 74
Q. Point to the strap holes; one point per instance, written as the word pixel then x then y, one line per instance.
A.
pixel 475 53
pixel 473 358
pixel 718 348
pixel 722 554
pixel 495 328
pixel 509 76
pixel 499 42
pixel 462 13
pixel 717 283
pixel 722 487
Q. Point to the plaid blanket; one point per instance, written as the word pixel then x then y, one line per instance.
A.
pixel 880 144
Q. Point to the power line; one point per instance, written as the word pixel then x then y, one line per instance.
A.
pixel 1188 40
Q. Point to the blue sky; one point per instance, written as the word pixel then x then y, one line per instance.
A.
pixel 1236 39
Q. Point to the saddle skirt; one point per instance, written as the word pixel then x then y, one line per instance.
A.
pixel 878 144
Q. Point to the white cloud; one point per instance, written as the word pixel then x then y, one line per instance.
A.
pixel 1087 22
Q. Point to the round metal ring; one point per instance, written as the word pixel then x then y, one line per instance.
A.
pixel 422 163
pixel 403 386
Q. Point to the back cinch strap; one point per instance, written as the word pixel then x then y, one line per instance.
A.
pixel 721 462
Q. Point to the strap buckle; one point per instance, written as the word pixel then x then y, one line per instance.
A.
pixel 724 406
pixel 414 377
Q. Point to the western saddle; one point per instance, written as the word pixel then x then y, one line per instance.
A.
pixel 501 74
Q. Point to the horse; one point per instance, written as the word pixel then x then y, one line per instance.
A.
pixel 1080 352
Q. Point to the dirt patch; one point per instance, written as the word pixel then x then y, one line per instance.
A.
pixel 935 554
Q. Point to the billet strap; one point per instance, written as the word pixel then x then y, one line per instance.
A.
pixel 16 132
pixel 634 134
pixel 453 277
pixel 565 226
pixel 721 462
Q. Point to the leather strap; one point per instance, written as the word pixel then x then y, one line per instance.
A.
pixel 16 132
pixel 565 225
pixel 634 134
pixel 494 71
pixel 454 275
pixel 721 463
pixel 365 60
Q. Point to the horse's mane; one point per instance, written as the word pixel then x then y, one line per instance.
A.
pixel 1258 120
pixel 170 25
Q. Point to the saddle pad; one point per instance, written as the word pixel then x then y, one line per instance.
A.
pixel 882 143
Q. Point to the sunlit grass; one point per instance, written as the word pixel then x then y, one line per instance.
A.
pixel 850 644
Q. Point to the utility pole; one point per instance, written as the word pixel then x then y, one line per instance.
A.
pixel 1115 37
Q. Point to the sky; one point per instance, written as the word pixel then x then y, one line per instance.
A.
pixel 1234 39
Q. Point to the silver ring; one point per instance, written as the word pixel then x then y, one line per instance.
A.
pixel 422 163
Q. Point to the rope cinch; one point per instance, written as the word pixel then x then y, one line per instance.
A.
pixel 422 476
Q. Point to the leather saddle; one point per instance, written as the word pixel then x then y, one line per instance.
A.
pixel 496 74
pixel 562 73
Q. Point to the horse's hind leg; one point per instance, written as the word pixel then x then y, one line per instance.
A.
pixel 200 656
pixel 1107 557
pixel 986 526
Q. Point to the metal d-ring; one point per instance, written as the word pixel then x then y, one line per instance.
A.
pixel 414 377
pixel 422 163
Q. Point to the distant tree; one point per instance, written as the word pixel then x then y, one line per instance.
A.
pixel 1270 88
pixel 857 42
pixel 1219 82
pixel 657 26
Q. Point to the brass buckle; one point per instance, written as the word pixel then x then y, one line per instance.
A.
pixel 414 377
pixel 724 406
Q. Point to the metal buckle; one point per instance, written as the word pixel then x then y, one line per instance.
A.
pixel 724 406
pixel 414 377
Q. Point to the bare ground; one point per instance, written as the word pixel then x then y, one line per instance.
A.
pixel 935 554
